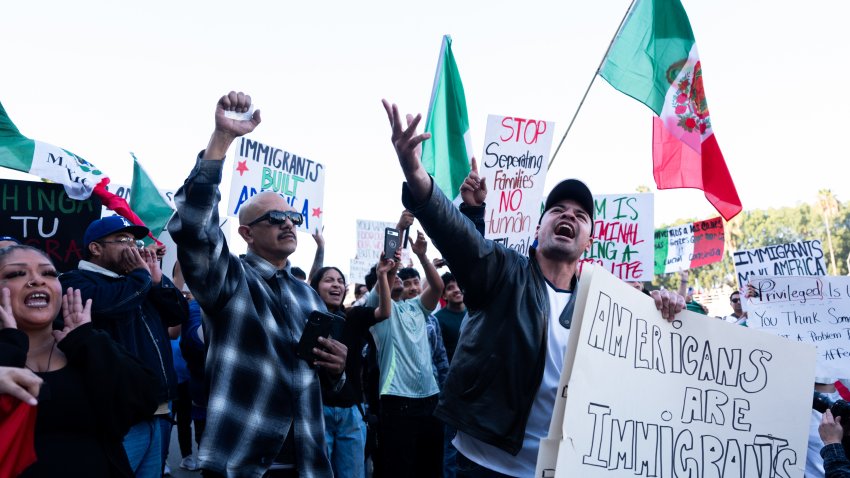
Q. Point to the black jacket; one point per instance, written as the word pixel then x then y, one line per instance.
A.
pixel 498 364
pixel 120 392
pixel 136 314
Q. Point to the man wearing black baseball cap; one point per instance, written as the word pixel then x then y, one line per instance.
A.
pixel 520 311
pixel 135 304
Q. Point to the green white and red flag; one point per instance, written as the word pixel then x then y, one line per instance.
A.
pixel 80 178
pixel 654 60
pixel 446 156
pixel 148 202
pixel 688 246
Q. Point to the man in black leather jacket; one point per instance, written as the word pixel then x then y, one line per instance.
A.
pixel 499 393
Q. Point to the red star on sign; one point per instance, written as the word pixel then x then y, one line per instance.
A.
pixel 317 211
pixel 242 167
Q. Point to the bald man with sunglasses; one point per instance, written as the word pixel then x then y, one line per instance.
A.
pixel 265 409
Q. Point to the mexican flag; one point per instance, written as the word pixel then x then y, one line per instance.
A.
pixel 688 246
pixel 654 60
pixel 147 201
pixel 46 161
pixel 447 154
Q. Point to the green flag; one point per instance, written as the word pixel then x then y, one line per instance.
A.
pixel 78 176
pixel 147 202
pixel 447 154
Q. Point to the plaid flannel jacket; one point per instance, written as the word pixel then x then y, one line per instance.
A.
pixel 254 316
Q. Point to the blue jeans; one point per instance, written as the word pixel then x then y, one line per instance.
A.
pixel 345 434
pixel 449 453
pixel 144 448
pixel 467 468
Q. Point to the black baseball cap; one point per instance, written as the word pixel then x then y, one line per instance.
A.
pixel 575 190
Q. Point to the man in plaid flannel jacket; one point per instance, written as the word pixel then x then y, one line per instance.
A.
pixel 261 394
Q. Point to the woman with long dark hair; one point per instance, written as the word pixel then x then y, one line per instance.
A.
pixel 92 390
pixel 345 428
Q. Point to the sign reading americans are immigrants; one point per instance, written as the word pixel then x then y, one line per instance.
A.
pixel 687 398
pixel 300 181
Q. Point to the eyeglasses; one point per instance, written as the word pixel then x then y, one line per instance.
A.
pixel 277 218
pixel 124 241
pixel 735 301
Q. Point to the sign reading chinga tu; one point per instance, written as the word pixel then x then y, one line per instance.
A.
pixel 300 181
pixel 623 232
pixel 516 152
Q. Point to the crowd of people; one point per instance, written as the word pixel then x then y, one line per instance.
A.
pixel 452 374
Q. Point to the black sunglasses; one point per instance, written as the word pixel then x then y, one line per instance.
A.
pixel 277 218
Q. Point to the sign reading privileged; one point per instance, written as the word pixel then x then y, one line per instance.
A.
pixel 792 259
pixel 724 401
pixel 688 246
pixel 516 152
pixel 622 235
pixel 813 310
pixel 258 167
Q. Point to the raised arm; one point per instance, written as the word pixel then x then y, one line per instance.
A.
pixel 319 258
pixel 385 301
pixel 201 246
pixel 408 147
pixel 431 294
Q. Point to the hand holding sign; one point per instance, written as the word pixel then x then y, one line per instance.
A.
pixel 668 303
pixel 473 191
pixel 228 129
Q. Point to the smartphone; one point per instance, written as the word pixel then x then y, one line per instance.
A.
pixel 391 242
pixel 319 324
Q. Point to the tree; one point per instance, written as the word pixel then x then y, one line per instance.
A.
pixel 827 205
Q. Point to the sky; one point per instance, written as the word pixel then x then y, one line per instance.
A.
pixel 104 78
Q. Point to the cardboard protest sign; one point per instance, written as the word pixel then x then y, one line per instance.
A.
pixel 259 167
pixel 516 152
pixel 795 258
pixel 370 242
pixel 694 397
pixel 42 215
pixel 807 309
pixel 358 269
pixel 623 235
pixel 688 246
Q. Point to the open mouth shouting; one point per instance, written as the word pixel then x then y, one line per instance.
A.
pixel 565 229
pixel 37 300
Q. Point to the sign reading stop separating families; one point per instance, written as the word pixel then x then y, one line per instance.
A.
pixel 515 159
pixel 258 167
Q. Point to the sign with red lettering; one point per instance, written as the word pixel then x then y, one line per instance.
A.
pixel 516 152
pixel 43 216
pixel 623 230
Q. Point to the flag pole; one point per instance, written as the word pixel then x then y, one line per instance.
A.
pixel 595 74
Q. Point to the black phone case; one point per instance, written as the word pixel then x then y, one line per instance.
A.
pixel 319 324
pixel 389 248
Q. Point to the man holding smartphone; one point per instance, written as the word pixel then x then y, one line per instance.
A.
pixel 411 439
pixel 265 408
pixel 503 381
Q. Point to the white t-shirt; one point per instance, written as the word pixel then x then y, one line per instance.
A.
pixel 524 463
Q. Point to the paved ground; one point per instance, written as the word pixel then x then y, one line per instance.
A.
pixel 174 458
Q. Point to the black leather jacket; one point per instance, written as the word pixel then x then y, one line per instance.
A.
pixel 498 364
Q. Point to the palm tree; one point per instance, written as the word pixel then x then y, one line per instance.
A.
pixel 828 206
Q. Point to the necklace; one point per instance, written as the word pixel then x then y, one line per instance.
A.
pixel 49 358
